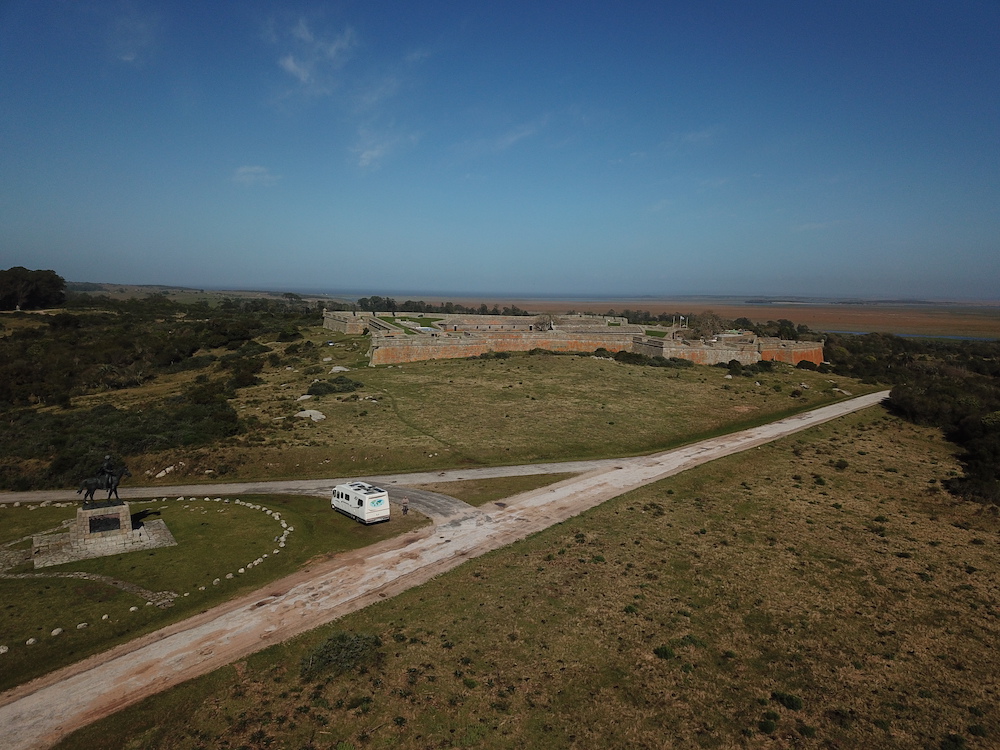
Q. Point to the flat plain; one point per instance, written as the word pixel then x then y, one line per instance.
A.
pixel 820 591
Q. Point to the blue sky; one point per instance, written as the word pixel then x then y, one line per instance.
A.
pixel 531 148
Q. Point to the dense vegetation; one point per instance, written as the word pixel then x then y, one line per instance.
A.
pixel 97 344
pixel 953 385
pixel 30 290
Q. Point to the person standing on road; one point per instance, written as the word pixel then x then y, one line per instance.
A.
pixel 406 505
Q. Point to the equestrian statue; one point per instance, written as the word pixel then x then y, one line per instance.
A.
pixel 108 478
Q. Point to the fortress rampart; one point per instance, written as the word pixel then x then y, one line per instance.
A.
pixel 349 322
pixel 746 350
pixel 386 350
pixel 457 336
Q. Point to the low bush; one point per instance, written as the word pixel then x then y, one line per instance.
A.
pixel 343 652
pixel 339 384
pixel 787 700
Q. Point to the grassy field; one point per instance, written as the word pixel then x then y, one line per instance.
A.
pixel 816 592
pixel 215 541
pixel 453 413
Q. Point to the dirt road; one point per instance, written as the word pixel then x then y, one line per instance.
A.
pixel 38 714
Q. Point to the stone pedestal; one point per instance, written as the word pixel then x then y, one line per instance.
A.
pixel 100 529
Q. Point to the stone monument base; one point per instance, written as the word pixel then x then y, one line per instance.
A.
pixel 100 530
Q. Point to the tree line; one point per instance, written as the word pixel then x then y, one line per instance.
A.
pixel 376 304
pixel 709 323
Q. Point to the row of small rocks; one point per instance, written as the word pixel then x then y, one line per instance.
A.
pixel 280 540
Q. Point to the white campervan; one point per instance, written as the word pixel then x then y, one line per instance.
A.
pixel 361 501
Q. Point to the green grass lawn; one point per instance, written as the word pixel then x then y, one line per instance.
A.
pixel 214 539
pixel 776 598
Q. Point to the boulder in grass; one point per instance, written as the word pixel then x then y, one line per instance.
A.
pixel 312 414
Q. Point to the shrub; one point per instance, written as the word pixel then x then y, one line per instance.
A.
pixel 787 700
pixel 343 652
pixel 664 652
pixel 339 384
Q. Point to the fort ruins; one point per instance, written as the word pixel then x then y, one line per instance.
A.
pixel 398 340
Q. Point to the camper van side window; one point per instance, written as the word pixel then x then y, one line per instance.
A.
pixel 360 502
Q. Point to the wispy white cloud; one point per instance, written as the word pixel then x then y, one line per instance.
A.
pixel 288 64
pixel 503 141
pixel 517 134
pixel 373 148
pixel 417 56
pixel 254 175
pixel 313 58
pixel 697 136
pixel 369 98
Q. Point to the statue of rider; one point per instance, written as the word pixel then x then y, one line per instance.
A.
pixel 105 473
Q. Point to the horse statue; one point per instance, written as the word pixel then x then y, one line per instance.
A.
pixel 110 484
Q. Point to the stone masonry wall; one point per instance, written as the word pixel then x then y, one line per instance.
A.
pixel 347 322
pixel 696 351
pixel 791 352
pixel 746 353
pixel 396 350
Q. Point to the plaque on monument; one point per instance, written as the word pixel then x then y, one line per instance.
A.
pixel 100 524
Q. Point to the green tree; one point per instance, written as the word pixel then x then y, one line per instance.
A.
pixel 30 290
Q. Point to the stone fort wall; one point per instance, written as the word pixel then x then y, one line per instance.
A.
pixel 394 350
pixel 472 335
pixel 745 352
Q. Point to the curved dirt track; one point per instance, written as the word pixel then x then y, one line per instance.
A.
pixel 38 714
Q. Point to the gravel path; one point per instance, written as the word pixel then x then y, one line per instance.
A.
pixel 38 714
